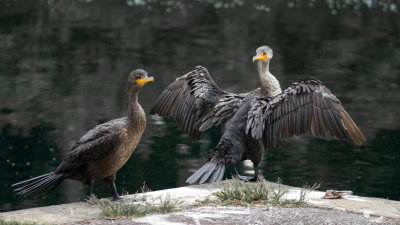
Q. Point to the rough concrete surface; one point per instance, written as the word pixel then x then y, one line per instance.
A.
pixel 208 215
pixel 348 210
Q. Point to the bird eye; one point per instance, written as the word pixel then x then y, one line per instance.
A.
pixel 139 77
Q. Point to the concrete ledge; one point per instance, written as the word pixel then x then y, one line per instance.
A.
pixel 189 195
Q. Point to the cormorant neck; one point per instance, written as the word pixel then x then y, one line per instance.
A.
pixel 133 105
pixel 269 84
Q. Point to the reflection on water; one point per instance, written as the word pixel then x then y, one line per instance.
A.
pixel 333 5
pixel 65 63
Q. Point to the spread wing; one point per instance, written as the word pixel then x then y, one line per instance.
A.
pixel 305 105
pixel 94 145
pixel 195 99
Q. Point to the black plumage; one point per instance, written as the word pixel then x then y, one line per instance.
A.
pixel 253 121
pixel 101 152
pixel 305 105
pixel 189 98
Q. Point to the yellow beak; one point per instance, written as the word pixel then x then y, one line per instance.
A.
pixel 260 56
pixel 142 81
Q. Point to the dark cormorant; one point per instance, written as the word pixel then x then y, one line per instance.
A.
pixel 253 121
pixel 101 152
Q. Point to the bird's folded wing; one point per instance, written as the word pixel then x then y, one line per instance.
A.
pixel 305 105
pixel 93 146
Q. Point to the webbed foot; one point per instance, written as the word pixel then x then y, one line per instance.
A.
pixel 114 198
pixel 131 200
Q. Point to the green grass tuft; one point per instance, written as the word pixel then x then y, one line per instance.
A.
pixel 124 209
pixel 4 222
pixel 243 193
pixel 167 205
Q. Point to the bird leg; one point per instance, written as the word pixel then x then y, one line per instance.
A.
pixel 90 183
pixel 111 183
pixel 256 172
pixel 114 190
pixel 247 178
pixel 91 192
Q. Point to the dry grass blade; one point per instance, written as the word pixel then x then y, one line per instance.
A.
pixel 145 205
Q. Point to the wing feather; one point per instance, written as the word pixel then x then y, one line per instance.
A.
pixel 305 105
pixel 165 102
pixel 196 102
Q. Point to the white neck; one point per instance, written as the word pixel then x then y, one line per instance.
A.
pixel 269 84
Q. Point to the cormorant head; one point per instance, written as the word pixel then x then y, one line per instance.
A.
pixel 264 54
pixel 138 78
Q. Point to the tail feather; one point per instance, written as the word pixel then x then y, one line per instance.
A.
pixel 29 185
pixel 211 168
pixel 192 179
pixel 218 174
pixel 52 187
pixel 208 173
pixel 40 185
pixel 34 178
pixel 36 185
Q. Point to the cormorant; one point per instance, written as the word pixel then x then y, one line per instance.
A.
pixel 101 152
pixel 253 121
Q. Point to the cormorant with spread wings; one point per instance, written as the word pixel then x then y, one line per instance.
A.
pixel 254 121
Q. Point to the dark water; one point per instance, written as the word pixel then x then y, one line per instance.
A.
pixel 64 65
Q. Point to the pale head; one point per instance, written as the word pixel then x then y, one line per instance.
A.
pixel 138 78
pixel 264 54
